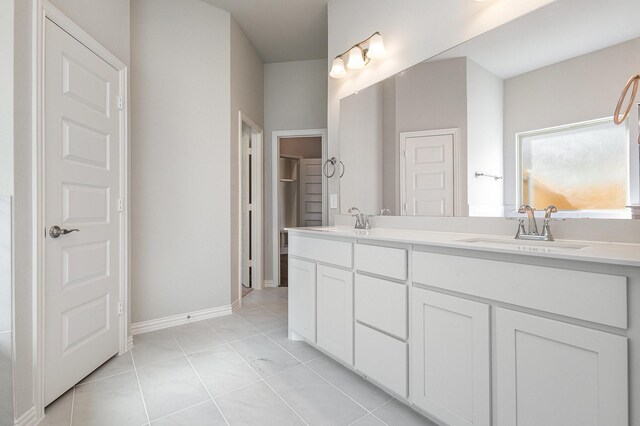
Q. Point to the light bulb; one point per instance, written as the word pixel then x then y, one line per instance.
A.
pixel 376 47
pixel 356 58
pixel 337 68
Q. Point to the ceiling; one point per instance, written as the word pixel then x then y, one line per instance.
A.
pixel 281 30
pixel 557 32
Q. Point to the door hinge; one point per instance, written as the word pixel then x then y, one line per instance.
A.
pixel 120 205
pixel 250 207
pixel 120 308
pixel 120 102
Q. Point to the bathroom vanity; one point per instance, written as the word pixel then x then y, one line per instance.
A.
pixel 475 329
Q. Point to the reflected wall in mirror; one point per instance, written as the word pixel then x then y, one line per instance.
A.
pixel 519 115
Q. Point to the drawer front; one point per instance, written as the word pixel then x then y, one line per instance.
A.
pixel 385 261
pixel 587 296
pixel 382 358
pixel 339 253
pixel 382 304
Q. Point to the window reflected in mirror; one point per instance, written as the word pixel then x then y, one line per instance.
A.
pixel 581 166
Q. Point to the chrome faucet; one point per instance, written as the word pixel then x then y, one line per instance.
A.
pixel 531 231
pixel 362 220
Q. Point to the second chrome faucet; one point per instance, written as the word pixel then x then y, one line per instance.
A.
pixel 531 231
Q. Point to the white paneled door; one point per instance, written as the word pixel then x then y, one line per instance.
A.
pixel 427 173
pixel 82 186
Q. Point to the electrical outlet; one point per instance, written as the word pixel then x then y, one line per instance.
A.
pixel 333 201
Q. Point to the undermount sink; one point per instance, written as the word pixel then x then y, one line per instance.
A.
pixel 322 229
pixel 533 246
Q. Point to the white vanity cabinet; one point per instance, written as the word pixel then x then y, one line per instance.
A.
pixel 335 312
pixel 553 373
pixel 471 338
pixel 451 361
pixel 302 298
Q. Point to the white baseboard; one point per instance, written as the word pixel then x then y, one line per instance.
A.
pixel 172 321
pixel 130 342
pixel 235 305
pixel 269 283
pixel 27 419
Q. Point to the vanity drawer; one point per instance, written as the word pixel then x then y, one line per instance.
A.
pixel 588 296
pixel 382 358
pixel 385 261
pixel 334 252
pixel 382 304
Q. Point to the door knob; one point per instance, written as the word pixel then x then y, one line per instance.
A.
pixel 56 231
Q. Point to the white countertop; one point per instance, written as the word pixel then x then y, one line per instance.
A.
pixel 586 251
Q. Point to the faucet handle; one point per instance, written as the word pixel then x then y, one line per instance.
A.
pixel 550 209
pixel 523 208
pixel 384 212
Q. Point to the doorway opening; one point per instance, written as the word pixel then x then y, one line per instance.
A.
pixel 299 190
pixel 251 210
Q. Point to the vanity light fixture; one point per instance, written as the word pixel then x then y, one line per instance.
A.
pixel 359 56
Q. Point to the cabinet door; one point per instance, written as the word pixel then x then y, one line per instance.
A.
pixel 302 298
pixel 451 362
pixel 553 373
pixel 335 312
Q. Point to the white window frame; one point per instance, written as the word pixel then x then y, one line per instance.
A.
pixel 632 170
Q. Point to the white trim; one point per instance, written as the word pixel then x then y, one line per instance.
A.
pixel 180 319
pixel 269 283
pixel 27 419
pixel 275 179
pixel 457 171
pixel 257 216
pixel 45 10
pixel 237 304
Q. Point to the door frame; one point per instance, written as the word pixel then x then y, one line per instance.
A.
pixel 45 10
pixel 276 135
pixel 257 216
pixel 457 171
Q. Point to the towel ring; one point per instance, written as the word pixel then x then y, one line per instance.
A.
pixel 634 80
pixel 333 161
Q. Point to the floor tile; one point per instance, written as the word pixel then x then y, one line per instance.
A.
pixel 301 350
pixel 205 414
pixel 58 413
pixel 315 400
pixel 281 292
pixel 156 346
pixel 116 365
pixel 263 355
pixel 256 405
pixel 196 336
pixel 367 394
pixel 115 400
pixel 396 413
pixel 232 327
pixel 222 370
pixel 261 296
pixel 368 420
pixel 170 386
pixel 262 319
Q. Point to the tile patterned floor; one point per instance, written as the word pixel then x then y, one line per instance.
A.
pixel 235 370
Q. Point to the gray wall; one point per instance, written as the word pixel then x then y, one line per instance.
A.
pixel 484 145
pixel 108 22
pixel 295 98
pixel 302 147
pixel 579 89
pixel 361 150
pixel 181 217
pixel 247 95
pixel 6 364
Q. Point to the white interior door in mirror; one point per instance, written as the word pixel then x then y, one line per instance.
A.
pixel 427 173
pixel 82 165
